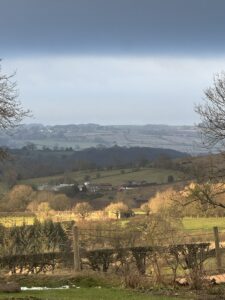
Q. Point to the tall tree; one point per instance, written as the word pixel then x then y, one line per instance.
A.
pixel 11 110
pixel 212 112
pixel 212 126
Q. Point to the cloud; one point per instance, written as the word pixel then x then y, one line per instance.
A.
pixel 112 89
pixel 141 27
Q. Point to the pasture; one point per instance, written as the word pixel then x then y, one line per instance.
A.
pixel 203 224
pixel 83 286
pixel 189 224
pixel 114 177
pixel 84 294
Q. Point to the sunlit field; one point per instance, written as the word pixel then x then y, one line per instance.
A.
pixel 115 177
pixel 203 223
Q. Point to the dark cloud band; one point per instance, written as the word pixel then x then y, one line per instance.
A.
pixel 194 27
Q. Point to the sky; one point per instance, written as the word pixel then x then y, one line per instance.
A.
pixel 112 61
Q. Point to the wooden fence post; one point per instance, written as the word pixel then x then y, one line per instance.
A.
pixel 217 248
pixel 76 253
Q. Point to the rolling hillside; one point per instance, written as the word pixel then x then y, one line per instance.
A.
pixel 30 163
pixel 181 138
pixel 114 177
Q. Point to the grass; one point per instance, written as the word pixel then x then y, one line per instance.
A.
pixel 149 175
pixel 115 177
pixel 84 294
pixel 11 221
pixel 85 286
pixel 204 224
pixel 190 224
pixel 210 265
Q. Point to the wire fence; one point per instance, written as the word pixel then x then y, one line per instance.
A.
pixel 176 250
pixel 171 253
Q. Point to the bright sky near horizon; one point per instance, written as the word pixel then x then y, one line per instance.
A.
pixel 112 62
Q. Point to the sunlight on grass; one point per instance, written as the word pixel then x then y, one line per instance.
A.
pixel 203 223
pixel 115 177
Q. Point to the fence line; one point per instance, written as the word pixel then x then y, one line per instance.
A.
pixel 102 248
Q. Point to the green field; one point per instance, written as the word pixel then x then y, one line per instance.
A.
pixel 115 177
pixel 84 294
pixel 190 224
pixel 203 223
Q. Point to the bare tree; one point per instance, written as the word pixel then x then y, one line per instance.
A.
pixel 83 210
pixel 11 110
pixel 212 112
pixel 206 193
pixel 212 127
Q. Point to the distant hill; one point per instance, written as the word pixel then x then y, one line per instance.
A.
pixel 28 163
pixel 180 138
